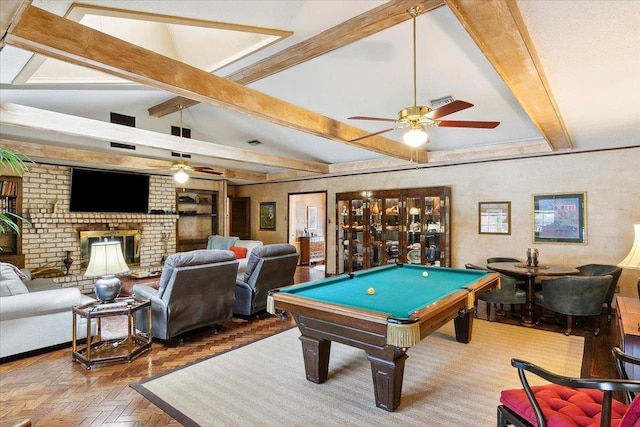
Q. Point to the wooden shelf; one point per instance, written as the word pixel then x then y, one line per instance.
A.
pixel 197 218
pixel 11 203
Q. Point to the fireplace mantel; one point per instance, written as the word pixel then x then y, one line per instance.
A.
pixel 38 220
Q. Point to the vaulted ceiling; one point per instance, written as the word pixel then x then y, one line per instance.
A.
pixel 559 76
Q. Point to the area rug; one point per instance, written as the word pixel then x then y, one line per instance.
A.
pixel 446 383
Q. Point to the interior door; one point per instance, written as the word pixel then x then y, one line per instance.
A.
pixel 240 217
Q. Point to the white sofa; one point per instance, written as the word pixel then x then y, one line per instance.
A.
pixel 228 242
pixel 35 314
pixel 249 244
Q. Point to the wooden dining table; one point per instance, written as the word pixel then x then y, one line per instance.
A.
pixel 529 274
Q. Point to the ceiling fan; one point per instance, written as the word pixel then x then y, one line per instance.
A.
pixel 415 118
pixel 182 169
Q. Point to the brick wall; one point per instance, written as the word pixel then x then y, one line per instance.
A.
pixel 53 230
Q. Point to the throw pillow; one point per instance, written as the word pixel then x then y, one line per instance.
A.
pixel 239 252
pixel 10 284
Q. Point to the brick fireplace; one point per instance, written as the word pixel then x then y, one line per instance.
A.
pixel 53 230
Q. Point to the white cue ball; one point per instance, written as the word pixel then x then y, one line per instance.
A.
pixel 425 274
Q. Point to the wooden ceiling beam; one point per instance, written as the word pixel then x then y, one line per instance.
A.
pixel 65 124
pixel 10 12
pixel 375 20
pixel 51 35
pixel 53 153
pixel 498 29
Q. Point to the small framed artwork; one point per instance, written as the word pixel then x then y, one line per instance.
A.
pixel 560 218
pixel 268 216
pixel 494 217
pixel 312 217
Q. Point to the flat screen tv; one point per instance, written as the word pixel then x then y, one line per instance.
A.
pixel 108 191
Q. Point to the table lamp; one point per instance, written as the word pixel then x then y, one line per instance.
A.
pixel 633 258
pixel 106 261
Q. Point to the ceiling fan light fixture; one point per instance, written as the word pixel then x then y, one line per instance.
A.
pixel 181 176
pixel 415 137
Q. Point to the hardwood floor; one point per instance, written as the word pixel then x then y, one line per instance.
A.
pixel 51 390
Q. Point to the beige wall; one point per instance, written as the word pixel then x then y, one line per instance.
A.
pixel 611 180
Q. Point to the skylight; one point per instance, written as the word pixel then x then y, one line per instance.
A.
pixel 203 44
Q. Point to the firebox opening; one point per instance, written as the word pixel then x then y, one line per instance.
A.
pixel 129 240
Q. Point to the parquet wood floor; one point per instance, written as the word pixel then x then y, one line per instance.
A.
pixel 51 390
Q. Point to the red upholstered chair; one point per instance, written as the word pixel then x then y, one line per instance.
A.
pixel 570 402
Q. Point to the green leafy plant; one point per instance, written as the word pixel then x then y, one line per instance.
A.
pixel 18 164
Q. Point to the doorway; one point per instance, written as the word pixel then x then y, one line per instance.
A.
pixel 308 227
pixel 240 217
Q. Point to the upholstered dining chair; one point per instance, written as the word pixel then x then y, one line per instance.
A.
pixel 567 401
pixel 574 296
pixel 507 294
pixel 519 283
pixel 603 270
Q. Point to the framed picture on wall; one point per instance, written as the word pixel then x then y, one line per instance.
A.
pixel 560 218
pixel 494 217
pixel 312 218
pixel 268 216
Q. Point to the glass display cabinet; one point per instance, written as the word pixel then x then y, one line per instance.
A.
pixel 392 226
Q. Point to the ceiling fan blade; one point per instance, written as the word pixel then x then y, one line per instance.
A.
pixel 450 108
pixel 371 134
pixel 380 119
pixel 204 169
pixel 467 124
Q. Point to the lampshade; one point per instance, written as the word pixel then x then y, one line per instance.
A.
pixel 415 137
pixel 106 260
pixel 181 177
pixel 633 258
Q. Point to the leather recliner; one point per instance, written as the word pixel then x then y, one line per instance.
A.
pixel 196 290
pixel 269 267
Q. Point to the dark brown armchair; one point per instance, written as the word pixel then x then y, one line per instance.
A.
pixel 603 270
pixel 567 401
pixel 507 294
pixel 574 296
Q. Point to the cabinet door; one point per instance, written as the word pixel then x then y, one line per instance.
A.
pixel 391 228
pixel 352 236
pixel 427 226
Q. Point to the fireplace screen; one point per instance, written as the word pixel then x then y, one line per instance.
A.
pixel 129 240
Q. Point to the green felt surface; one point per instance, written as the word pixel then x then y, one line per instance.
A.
pixel 399 290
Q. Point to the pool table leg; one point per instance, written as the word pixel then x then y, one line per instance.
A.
pixel 315 353
pixel 464 327
pixel 387 380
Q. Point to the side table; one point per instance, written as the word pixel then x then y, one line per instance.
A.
pixel 628 316
pixel 95 350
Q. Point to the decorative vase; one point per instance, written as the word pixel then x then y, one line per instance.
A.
pixel 375 210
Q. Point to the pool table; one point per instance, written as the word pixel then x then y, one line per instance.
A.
pixel 383 311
